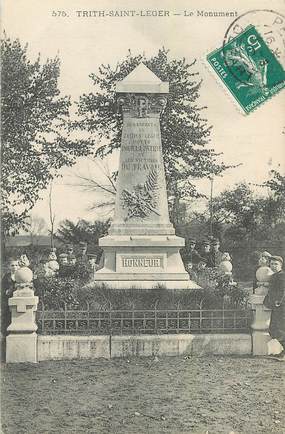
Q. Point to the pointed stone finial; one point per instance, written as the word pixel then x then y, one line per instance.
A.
pixel 142 80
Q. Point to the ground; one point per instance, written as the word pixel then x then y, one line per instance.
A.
pixel 173 395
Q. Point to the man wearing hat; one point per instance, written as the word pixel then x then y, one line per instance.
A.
pixel 71 260
pixel 216 253
pixel 92 258
pixel 64 269
pixel 82 254
pixel 70 252
pixel 275 300
pixel 189 253
pixel 206 253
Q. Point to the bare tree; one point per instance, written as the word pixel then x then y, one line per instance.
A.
pixel 101 182
pixel 37 226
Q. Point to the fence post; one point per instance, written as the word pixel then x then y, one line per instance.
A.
pixel 88 316
pixel 42 317
pixel 155 316
pixel 133 319
pixel 110 319
pixel 261 319
pixel 65 319
pixel 178 317
pixel 21 343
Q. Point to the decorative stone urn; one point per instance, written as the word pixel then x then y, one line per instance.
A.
pixel 263 275
pixel 22 339
pixel 260 325
pixel 226 267
pixel 24 282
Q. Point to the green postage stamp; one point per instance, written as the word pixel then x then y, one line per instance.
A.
pixel 248 68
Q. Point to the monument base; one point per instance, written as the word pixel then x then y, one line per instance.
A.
pixel 143 262
pixel 148 284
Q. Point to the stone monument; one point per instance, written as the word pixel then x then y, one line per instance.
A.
pixel 142 249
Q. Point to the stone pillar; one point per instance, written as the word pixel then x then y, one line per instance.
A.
pixel 142 249
pixel 261 321
pixel 21 343
pixel 260 325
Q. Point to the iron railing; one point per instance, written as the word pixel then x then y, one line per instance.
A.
pixel 134 321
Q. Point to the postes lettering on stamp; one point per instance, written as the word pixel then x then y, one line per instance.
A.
pixel 248 68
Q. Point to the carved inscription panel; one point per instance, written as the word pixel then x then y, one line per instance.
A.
pixel 140 263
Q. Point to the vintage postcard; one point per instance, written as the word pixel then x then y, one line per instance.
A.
pixel 143 216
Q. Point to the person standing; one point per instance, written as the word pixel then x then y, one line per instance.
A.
pixel 70 254
pixel 189 252
pixel 275 300
pixel 206 253
pixel 7 289
pixel 216 253
pixel 82 255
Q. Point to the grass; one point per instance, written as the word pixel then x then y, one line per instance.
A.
pixel 172 395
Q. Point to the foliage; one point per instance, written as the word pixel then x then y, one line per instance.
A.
pixel 83 230
pixel 184 130
pixel 248 215
pixel 216 286
pixel 54 292
pixel 35 138
pixel 80 271
pixel 276 184
pixel 66 287
pixel 239 213
pixel 245 221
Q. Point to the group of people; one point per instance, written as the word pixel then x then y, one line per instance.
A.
pixel 207 256
pixel 55 264
pixel 52 264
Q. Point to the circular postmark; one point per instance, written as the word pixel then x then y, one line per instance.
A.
pixel 270 25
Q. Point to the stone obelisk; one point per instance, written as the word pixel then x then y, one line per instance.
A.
pixel 142 249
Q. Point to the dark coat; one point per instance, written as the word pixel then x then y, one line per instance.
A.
pixel 194 256
pixel 276 301
pixel 7 288
pixel 216 258
pixel 190 255
pixel 208 258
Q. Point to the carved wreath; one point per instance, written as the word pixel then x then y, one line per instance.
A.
pixel 141 201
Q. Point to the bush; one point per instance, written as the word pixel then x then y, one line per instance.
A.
pixel 54 292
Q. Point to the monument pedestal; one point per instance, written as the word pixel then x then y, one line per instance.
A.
pixel 144 262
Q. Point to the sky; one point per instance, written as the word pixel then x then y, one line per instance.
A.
pixel 83 43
